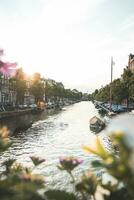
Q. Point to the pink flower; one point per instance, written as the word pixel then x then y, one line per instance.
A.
pixel 69 163
pixel 7 68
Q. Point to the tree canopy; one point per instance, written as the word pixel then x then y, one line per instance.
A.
pixel 121 89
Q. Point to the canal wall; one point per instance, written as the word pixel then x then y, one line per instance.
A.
pixel 7 114
pixel 20 120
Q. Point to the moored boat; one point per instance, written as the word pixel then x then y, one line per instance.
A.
pixel 108 117
pixel 96 124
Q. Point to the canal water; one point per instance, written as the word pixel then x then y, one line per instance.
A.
pixel 61 134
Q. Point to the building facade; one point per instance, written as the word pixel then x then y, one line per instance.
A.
pixel 7 92
pixel 131 63
pixel 28 97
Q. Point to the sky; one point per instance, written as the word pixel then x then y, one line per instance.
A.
pixel 71 41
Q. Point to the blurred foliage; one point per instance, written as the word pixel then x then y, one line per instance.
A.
pixel 57 195
pixel 19 182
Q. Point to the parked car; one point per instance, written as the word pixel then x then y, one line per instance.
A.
pixel 49 105
pixel 32 106
pixel 119 108
pixel 23 106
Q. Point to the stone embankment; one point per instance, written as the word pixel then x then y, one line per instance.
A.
pixel 7 114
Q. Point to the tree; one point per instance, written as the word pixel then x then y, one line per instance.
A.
pixel 127 79
pixel 19 85
pixel 37 88
pixel 48 91
pixel 103 94
pixel 119 91
pixel 131 88
pixel 122 88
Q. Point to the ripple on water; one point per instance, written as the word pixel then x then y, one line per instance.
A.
pixel 62 134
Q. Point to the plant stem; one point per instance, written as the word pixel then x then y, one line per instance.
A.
pixel 94 197
pixel 73 180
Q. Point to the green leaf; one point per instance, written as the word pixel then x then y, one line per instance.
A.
pixel 97 164
pixel 9 162
pixel 36 160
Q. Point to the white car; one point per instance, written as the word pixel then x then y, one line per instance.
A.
pixel 33 106
pixel 23 106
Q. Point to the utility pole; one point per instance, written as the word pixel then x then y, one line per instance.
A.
pixel 112 63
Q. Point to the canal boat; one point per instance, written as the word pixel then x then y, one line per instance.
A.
pixel 107 118
pixel 96 124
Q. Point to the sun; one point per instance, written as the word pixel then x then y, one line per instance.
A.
pixel 28 71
